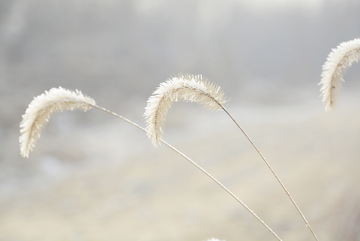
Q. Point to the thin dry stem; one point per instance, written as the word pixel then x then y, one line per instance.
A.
pixel 59 99
pixel 169 92
pixel 273 172
pixel 200 168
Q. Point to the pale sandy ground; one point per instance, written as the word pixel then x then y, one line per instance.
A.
pixel 109 183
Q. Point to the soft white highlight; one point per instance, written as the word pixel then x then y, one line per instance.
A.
pixel 337 62
pixel 215 239
pixel 40 110
pixel 188 88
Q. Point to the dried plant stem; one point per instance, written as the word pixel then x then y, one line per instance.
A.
pixel 194 89
pixel 272 170
pixel 223 187
pixel 204 171
pixel 59 99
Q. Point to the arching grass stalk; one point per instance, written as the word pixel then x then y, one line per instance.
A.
pixel 59 99
pixel 273 172
pixel 194 89
pixel 199 167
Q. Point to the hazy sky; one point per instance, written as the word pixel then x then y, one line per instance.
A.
pixel 271 4
pixel 255 4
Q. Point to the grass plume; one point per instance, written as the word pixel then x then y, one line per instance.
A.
pixel 338 61
pixel 192 88
pixel 40 110
pixel 59 99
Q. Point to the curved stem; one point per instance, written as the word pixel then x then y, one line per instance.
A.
pixel 223 187
pixel 272 170
pixel 199 167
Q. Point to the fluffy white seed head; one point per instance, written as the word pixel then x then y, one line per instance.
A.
pixel 188 88
pixel 40 110
pixel 337 62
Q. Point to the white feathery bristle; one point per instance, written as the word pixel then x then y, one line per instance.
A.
pixel 188 88
pixel 40 110
pixel 337 62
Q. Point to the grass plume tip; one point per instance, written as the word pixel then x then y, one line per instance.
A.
pixel 190 88
pixel 338 61
pixel 40 110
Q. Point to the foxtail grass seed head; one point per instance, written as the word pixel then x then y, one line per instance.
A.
pixel 40 110
pixel 188 88
pixel 337 62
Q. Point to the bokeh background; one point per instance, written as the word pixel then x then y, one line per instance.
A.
pixel 93 177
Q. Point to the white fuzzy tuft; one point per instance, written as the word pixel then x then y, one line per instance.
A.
pixel 188 88
pixel 40 110
pixel 337 62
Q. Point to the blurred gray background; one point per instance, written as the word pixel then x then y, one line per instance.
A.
pixel 93 177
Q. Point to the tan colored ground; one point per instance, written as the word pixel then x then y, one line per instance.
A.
pixel 155 195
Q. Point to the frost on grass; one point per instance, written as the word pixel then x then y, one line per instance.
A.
pixel 40 110
pixel 337 62
pixel 188 88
